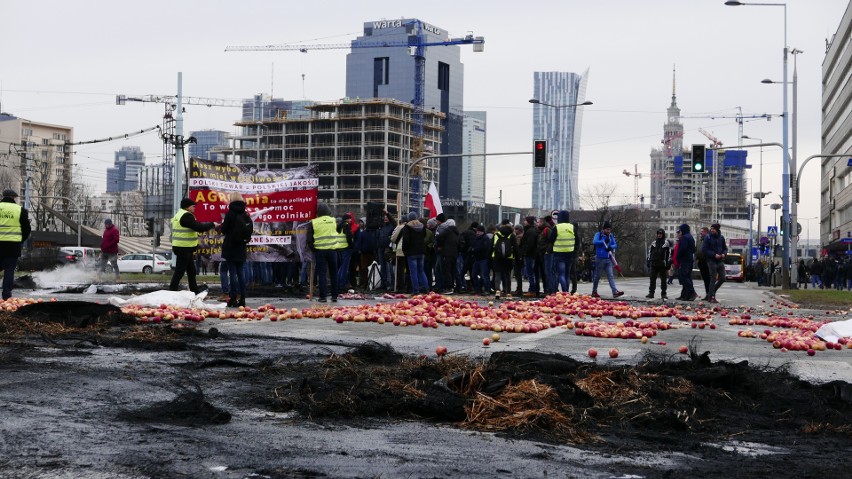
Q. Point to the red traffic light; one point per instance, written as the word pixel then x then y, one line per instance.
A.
pixel 539 153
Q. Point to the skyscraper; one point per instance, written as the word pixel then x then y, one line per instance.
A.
pixel 557 120
pixel 124 176
pixel 389 72
pixel 206 140
pixel 473 167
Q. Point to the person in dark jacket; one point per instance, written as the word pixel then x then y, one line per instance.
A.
pixel 447 247
pixel 715 249
pixel 685 260
pixel 185 229
pixel 802 271
pixel 503 266
pixel 385 253
pixel 658 261
pixel 816 273
pixel 466 259
pixel 529 249
pixel 429 259
pixel 518 266
pixel 366 244
pixel 481 275
pixel 414 248
pixel 14 230
pixel 344 256
pixel 109 249
pixel 701 260
pixel 237 227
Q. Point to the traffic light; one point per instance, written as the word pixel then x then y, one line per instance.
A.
pixel 540 153
pixel 150 226
pixel 699 154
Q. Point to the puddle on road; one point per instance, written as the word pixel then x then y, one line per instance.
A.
pixel 750 449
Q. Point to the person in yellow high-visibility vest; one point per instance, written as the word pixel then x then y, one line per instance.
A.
pixel 185 229
pixel 14 230
pixel 564 239
pixel 325 238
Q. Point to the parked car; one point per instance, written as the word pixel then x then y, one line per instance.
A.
pixel 143 263
pixel 39 259
pixel 88 257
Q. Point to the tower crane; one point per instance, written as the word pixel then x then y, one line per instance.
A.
pixel 416 43
pixel 636 176
pixel 713 139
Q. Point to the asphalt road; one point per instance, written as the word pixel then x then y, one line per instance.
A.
pixel 722 343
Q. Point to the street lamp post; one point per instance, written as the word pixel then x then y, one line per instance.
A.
pixel 794 208
pixel 759 195
pixel 785 177
pixel 554 169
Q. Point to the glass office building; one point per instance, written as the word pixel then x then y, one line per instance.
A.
pixel 389 72
pixel 556 120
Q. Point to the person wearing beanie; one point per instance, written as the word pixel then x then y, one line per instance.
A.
pixel 658 261
pixel 441 218
pixel 715 249
pixel 605 245
pixel 14 230
pixel 109 249
pixel 238 227
pixel 414 248
pixel 185 229
pixel 685 259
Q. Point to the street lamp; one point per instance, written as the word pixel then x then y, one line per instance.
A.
pixel 794 208
pixel 785 177
pixel 759 195
pixel 554 169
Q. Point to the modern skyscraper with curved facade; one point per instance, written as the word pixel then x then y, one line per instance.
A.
pixel 558 121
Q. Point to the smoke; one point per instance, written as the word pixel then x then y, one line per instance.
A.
pixel 65 275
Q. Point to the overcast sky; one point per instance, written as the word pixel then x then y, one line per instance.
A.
pixel 63 63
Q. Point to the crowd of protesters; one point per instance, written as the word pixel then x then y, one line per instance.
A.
pixel 414 255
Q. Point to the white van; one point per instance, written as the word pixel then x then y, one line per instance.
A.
pixel 88 257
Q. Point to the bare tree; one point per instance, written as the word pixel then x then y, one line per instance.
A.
pixel 630 225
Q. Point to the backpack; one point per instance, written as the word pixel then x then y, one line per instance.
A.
pixel 243 229
pixel 502 247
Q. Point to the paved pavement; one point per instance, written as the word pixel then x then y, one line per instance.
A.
pixel 722 343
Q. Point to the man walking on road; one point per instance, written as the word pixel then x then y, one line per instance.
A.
pixel 605 244
pixel 715 250
pixel 14 230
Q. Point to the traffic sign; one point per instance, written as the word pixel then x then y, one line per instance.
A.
pixel 772 231
pixel 846 240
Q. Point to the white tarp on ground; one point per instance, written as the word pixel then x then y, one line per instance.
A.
pixel 833 331
pixel 182 299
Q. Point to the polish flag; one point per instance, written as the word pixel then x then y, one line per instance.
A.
pixel 433 202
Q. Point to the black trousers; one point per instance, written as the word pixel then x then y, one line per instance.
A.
pixel 184 265
pixel 659 271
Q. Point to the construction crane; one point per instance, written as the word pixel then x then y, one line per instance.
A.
pixel 713 139
pixel 172 99
pixel 739 118
pixel 416 43
pixel 636 176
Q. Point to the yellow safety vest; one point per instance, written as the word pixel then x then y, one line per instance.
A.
pixel 10 222
pixel 326 235
pixel 564 238
pixel 183 237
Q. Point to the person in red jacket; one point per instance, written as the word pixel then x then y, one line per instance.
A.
pixel 109 249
